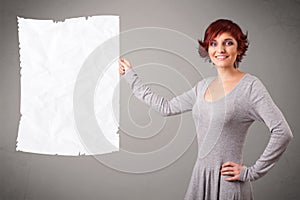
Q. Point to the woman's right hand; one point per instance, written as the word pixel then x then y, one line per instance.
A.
pixel 124 65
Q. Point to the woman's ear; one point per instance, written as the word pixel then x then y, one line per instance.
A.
pixel 239 52
pixel 202 51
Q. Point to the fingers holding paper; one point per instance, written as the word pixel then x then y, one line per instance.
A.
pixel 124 65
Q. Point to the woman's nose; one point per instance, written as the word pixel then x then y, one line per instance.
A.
pixel 221 49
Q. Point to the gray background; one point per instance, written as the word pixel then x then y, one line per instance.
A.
pixel 273 56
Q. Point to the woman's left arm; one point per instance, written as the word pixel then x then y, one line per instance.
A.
pixel 263 109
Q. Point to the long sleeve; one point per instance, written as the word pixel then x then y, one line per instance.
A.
pixel 165 107
pixel 263 109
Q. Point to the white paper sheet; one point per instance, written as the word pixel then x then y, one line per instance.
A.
pixel 52 55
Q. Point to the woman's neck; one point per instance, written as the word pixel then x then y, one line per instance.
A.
pixel 227 73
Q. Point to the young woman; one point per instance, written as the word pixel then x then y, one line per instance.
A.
pixel 223 109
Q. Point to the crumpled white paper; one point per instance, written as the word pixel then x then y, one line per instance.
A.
pixel 51 57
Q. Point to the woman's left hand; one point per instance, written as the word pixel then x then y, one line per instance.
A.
pixel 232 169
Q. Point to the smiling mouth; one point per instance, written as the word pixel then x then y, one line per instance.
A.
pixel 221 57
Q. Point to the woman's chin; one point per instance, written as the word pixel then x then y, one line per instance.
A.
pixel 224 65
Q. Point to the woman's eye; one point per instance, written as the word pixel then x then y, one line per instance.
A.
pixel 213 43
pixel 229 43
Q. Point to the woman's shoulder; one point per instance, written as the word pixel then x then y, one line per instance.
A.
pixel 204 82
pixel 254 89
pixel 254 82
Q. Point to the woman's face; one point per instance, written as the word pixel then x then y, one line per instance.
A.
pixel 222 50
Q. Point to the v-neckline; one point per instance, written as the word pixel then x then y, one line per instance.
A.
pixel 226 95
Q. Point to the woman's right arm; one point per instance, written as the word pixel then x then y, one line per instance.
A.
pixel 165 107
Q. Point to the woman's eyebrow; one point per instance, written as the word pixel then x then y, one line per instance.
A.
pixel 226 39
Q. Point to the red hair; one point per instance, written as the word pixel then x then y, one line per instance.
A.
pixel 221 26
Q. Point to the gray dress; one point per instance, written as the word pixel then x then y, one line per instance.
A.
pixel 221 128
